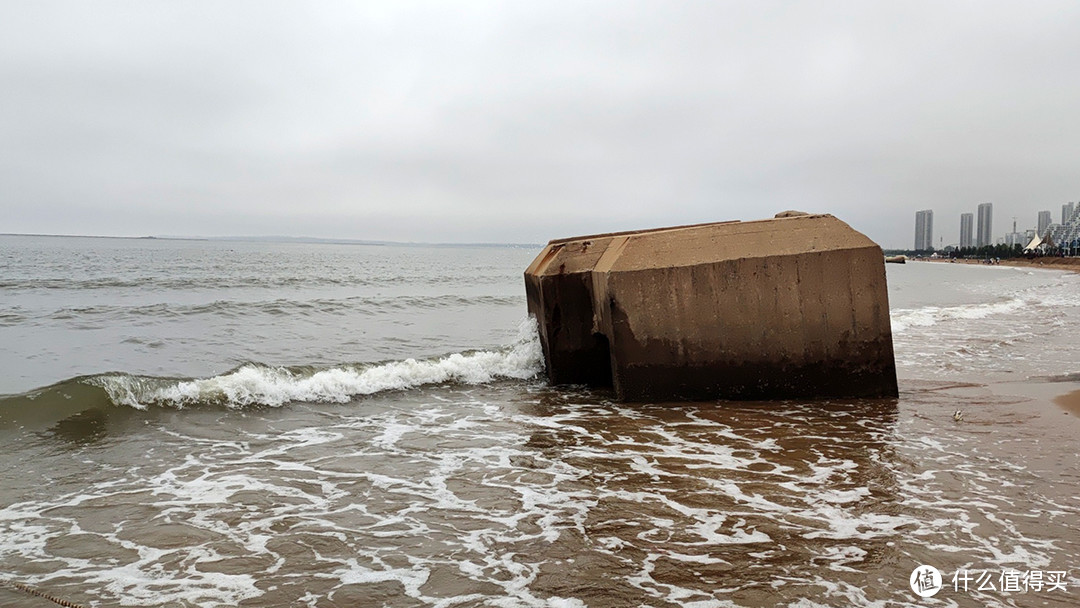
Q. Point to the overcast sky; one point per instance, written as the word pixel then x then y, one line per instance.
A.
pixel 525 121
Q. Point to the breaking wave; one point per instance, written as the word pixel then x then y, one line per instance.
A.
pixel 1052 297
pixel 255 384
pixel 928 316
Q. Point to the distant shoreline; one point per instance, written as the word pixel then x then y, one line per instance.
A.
pixel 99 236
pixel 1047 263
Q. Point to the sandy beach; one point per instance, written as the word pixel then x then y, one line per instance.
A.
pixel 1061 393
pixel 1052 263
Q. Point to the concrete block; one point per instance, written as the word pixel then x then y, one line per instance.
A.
pixel 790 307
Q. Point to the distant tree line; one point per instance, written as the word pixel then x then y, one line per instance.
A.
pixel 989 251
pixel 1004 252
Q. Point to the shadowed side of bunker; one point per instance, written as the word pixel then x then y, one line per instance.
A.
pixel 794 306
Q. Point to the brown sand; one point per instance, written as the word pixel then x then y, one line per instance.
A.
pixel 1052 263
pixel 1032 422
pixel 1070 402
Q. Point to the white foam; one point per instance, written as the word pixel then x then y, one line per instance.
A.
pixel 355 574
pixel 844 496
pixel 928 316
pixel 390 435
pixel 1044 296
pixel 276 386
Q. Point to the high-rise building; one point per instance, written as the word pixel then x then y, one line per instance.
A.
pixel 966 222
pixel 924 230
pixel 1067 234
pixel 984 230
pixel 1044 223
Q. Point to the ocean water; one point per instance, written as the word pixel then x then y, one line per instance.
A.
pixel 198 423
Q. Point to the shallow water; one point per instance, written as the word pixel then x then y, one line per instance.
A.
pixel 357 477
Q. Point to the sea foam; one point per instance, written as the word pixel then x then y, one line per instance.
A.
pixel 254 384
pixel 928 316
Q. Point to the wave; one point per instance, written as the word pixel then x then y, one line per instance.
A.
pixel 368 305
pixel 254 281
pixel 12 317
pixel 1050 297
pixel 255 384
pixel 928 316
pixel 149 283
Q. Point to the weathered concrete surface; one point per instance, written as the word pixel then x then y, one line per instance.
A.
pixel 794 306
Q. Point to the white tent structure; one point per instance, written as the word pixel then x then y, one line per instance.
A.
pixel 1039 244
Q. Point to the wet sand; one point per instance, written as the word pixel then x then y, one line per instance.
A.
pixel 1070 402
pixel 1034 422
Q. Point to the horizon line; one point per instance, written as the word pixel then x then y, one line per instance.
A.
pixel 277 238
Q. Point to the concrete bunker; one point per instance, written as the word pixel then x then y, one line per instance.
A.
pixel 790 307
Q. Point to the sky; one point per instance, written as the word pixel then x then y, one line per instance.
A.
pixel 527 121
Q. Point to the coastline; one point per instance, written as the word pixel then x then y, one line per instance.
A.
pixel 1047 404
pixel 1046 263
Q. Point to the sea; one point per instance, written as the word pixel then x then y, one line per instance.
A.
pixel 205 423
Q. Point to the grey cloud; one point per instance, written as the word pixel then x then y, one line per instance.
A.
pixel 526 121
